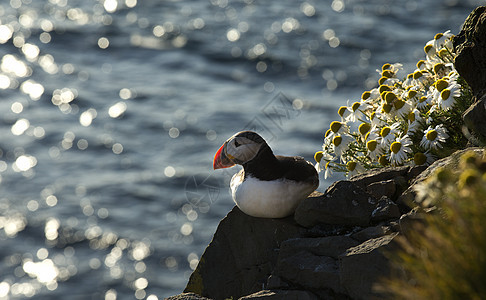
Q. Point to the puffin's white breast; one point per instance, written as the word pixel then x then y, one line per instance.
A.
pixel 268 199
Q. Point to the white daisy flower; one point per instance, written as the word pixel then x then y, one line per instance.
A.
pixel 337 128
pixel 426 158
pixel 356 111
pixel 399 150
pixel 387 135
pixel 340 145
pixel 373 134
pixel 370 97
pixel 442 69
pixel 354 168
pixel 401 107
pixel 430 51
pixel 420 78
pixel 408 82
pixel 425 101
pixel 374 150
pixel 378 118
pixel 322 158
pixel 443 40
pixel 389 70
pixel 448 96
pixel 434 137
pixel 414 122
pixel 412 95
pixel 328 172
pixel 343 112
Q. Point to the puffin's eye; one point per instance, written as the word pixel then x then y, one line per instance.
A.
pixel 237 144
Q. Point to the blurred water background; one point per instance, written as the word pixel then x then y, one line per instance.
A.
pixel 112 111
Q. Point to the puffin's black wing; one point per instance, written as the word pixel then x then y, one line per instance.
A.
pixel 296 168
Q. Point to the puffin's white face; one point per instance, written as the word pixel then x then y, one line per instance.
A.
pixel 241 149
pixel 238 149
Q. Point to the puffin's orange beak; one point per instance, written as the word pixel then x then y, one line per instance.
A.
pixel 221 160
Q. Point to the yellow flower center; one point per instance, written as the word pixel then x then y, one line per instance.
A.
pixel 371 145
pixel 383 88
pixel 318 156
pixel 412 93
pixel 399 104
pixel 443 52
pixel 337 140
pixel 438 36
pixel 386 66
pixel 364 128
pixel 342 110
pixel 351 166
pixel 441 84
pixel 438 67
pixel 387 74
pixel 355 106
pixel 445 94
pixel 390 97
pixel 422 99
pixel 427 48
pixel 382 160
pixel 420 63
pixel 328 132
pixel 387 108
pixel 335 126
pixel 385 131
pixel 419 158
pixel 382 80
pixel 327 164
pixel 431 135
pixel 411 117
pixel 365 95
pixel 417 75
pixel 395 147
pixel 372 116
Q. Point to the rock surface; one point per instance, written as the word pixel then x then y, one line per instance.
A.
pixel 470 46
pixel 241 256
pixel 330 248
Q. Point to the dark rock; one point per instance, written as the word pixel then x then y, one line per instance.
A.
pixel 187 296
pixel 332 246
pixel 470 46
pixel 281 294
pixel 310 271
pixel 344 203
pixel 475 120
pixel 382 188
pixel 408 222
pixel 241 255
pixel 276 282
pixel 362 266
pixel 371 233
pixel 385 210
pixel 376 175
pixel 415 171
pixel 470 62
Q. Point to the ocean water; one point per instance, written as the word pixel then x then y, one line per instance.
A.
pixel 112 111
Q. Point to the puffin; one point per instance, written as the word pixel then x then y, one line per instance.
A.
pixel 268 186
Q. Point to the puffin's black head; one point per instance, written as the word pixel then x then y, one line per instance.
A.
pixel 238 149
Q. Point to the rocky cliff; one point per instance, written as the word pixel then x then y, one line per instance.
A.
pixel 334 246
